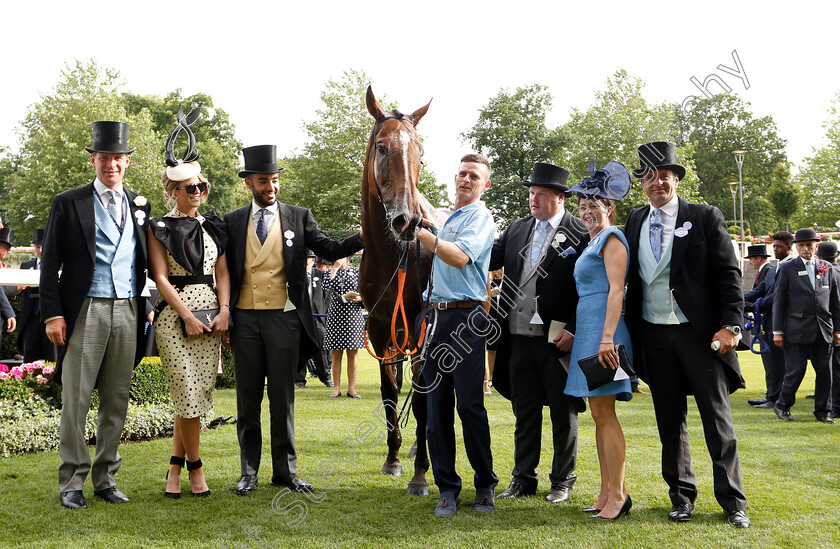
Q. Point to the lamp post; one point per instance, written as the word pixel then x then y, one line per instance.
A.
pixel 739 159
pixel 733 188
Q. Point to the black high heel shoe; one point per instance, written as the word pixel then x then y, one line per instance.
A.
pixel 192 466
pixel 625 509
pixel 180 463
pixel 591 510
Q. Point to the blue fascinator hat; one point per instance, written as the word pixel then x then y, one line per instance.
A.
pixel 611 181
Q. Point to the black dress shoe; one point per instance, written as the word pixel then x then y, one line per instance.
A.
pixel 756 401
pixel 825 418
pixel 516 490
pixel 246 485
pixel 782 414
pixel 767 405
pixel 738 519
pixel 111 495
pixel 681 512
pixel 293 483
pixel 73 499
pixel 300 384
pixel 558 494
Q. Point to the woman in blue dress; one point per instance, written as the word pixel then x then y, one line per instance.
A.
pixel 600 277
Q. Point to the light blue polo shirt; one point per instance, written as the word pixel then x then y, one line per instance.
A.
pixel 472 229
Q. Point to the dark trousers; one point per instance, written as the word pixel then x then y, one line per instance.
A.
pixel 774 363
pixel 796 363
pixel 266 345
pixel 679 362
pixel 453 375
pixel 536 378
pixel 835 381
pixel 34 342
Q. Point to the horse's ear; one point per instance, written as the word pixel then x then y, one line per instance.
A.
pixel 418 114
pixel 373 106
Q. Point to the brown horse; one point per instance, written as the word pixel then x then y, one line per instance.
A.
pixel 391 218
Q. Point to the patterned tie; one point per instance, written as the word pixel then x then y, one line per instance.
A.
pixel 656 233
pixel 810 267
pixel 112 206
pixel 539 240
pixel 262 232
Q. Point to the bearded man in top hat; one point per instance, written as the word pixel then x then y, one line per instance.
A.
pixel 684 297
pixel 806 321
pixel 32 337
pixel 538 254
pixel 773 358
pixel 93 269
pixel 272 315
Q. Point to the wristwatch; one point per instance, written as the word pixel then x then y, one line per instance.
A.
pixel 736 330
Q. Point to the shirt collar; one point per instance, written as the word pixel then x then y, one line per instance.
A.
pixel 255 208
pixel 554 220
pixel 671 207
pixel 101 188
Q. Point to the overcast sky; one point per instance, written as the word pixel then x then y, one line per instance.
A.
pixel 265 63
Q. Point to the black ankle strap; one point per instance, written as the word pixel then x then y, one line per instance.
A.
pixel 179 461
pixel 193 465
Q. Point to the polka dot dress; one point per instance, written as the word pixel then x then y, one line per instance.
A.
pixel 190 366
pixel 345 322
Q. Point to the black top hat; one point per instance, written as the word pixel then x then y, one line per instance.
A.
pixel 549 175
pixel 806 235
pixel 260 159
pixel 309 253
pixel 111 138
pixel 659 155
pixel 827 250
pixel 759 250
pixel 322 261
pixel 6 236
pixel 39 236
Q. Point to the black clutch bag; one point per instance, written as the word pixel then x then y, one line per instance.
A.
pixel 204 316
pixel 597 375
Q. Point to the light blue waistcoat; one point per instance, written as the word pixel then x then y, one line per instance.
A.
pixel 656 278
pixel 113 275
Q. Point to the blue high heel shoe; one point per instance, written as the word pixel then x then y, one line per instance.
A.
pixel 625 509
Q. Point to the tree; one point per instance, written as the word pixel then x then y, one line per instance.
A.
pixel 54 133
pixel 511 131
pixel 819 177
pixel 326 176
pixel 784 195
pixel 614 127
pixel 215 142
pixel 719 125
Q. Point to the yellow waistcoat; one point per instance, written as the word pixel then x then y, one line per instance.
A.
pixel 264 279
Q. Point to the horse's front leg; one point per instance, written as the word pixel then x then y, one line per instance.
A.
pixel 388 383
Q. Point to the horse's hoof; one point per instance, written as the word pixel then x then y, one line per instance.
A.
pixel 412 452
pixel 392 469
pixel 418 489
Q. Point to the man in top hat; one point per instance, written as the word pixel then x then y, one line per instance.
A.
pixel 773 358
pixel 827 251
pixel 320 363
pixel 538 254
pixel 32 337
pixel 806 321
pixel 93 268
pixel 7 313
pixel 272 315
pixel 676 312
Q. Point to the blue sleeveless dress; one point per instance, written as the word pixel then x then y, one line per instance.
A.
pixel 593 289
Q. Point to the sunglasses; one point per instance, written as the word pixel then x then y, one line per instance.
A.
pixel 193 187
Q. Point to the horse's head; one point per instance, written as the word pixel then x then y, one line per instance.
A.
pixel 392 166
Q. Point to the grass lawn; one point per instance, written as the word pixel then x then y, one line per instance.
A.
pixel 790 474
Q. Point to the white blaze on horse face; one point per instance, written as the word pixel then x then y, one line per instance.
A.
pixel 405 140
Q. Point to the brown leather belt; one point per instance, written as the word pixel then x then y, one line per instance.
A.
pixel 466 304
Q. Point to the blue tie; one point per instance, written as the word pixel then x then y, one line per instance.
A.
pixel 656 233
pixel 810 267
pixel 262 232
pixel 539 240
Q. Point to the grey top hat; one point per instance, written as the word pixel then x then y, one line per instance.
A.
pixel 759 250
pixel 110 137
pixel 806 235
pixel 827 250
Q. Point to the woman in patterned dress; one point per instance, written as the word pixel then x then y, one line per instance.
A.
pixel 345 324
pixel 185 250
